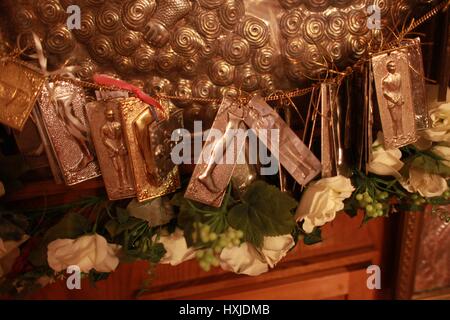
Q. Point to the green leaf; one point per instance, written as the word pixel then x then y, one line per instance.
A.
pixel 122 215
pixel 314 237
pixel 112 226
pixel 71 226
pixel 12 225
pixel 156 252
pixel 431 164
pixel 264 211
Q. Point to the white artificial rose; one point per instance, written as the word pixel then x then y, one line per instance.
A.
pixel 426 184
pixel 9 251
pixel 87 252
pixel 243 260
pixel 442 151
pixel 177 250
pixel 385 162
pixel 322 200
pixel 246 259
pixel 2 189
pixel 440 124
pixel 275 248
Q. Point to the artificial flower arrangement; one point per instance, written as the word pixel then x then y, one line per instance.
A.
pixel 249 234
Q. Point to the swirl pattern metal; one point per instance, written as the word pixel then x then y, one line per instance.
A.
pixel 166 60
pixel 290 23
pixel 87 26
pixel 231 12
pixel 340 3
pixel 264 59
pixel 336 51
pixel 86 69
pixel 358 46
pixel 123 65
pixel 144 58
pixel 186 41
pixel 236 50
pixel 126 41
pixel 101 48
pixel 254 30
pixel 316 5
pixel 189 66
pixel 336 28
pixel 314 28
pixel 248 78
pixel 24 19
pixel 221 72
pixel 313 61
pixel 217 41
pixel 211 4
pixel 204 88
pixel 294 48
pixel 108 19
pixel 49 11
pixel 135 14
pixel 289 4
pixel 357 22
pixel 208 24
pixel 60 40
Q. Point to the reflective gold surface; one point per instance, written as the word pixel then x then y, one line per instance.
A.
pixel 146 188
pixel 250 44
pixel 19 88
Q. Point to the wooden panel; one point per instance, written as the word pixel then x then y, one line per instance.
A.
pixel 294 289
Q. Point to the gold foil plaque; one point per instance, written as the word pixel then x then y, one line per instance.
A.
pixel 19 88
pixel 395 97
pixel 63 116
pixel 109 141
pixel 137 121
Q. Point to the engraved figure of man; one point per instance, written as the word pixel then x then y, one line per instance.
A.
pixel 111 133
pixel 391 86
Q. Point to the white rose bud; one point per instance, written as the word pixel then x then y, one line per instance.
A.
pixel 385 162
pixel 322 200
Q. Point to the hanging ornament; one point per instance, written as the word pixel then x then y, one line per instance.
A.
pixel 61 106
pixel 45 140
pixel 218 157
pixel 108 137
pixel 20 85
pixel 414 53
pixel 289 150
pixel 395 96
pixel 148 143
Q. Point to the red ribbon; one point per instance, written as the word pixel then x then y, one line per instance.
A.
pixel 108 81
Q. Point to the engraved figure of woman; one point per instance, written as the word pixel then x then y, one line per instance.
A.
pixel 111 133
pixel 235 117
pixel 391 86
